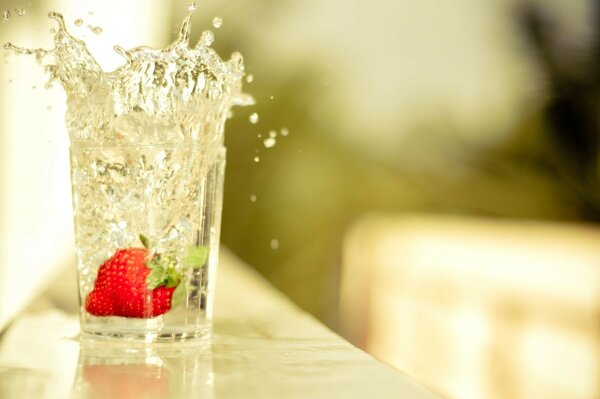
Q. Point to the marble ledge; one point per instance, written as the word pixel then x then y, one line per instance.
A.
pixel 263 346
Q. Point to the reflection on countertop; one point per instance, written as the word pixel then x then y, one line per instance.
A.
pixel 262 347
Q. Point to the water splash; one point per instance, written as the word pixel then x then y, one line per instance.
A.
pixel 170 95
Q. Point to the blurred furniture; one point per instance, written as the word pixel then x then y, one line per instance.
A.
pixel 477 309
pixel 263 347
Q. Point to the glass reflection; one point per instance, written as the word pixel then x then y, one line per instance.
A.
pixel 127 372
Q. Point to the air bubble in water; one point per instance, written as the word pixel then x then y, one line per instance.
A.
pixel 284 131
pixel 20 11
pixel 253 198
pixel 217 22
pixel 78 22
pixel 253 118
pixel 250 78
pixel 256 159
pixel 274 243
pixel 273 133
pixel 270 142
pixel 6 16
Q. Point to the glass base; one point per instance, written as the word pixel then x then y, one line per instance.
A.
pixel 144 331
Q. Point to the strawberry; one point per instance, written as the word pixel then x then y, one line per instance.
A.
pixel 98 303
pixel 134 283
pixel 121 288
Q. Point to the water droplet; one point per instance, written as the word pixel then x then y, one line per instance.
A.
pixel 250 78
pixel 95 29
pixel 284 131
pixel 122 224
pixel 217 22
pixel 78 22
pixel 274 243
pixel 270 142
pixel 256 159
pixel 192 7
pixel 6 16
pixel 206 38
pixel 20 11
pixel 273 133
pixel 253 198
pixel 253 118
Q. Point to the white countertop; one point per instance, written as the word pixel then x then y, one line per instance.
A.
pixel 263 346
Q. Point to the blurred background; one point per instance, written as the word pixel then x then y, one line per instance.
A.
pixel 433 192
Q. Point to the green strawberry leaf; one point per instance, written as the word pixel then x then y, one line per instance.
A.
pixel 145 241
pixel 196 256
pixel 178 296
pixel 165 271
pixel 173 277
pixel 157 277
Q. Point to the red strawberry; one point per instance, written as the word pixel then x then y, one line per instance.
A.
pixel 99 304
pixel 121 288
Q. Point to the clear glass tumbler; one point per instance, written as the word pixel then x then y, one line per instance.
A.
pixel 147 225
